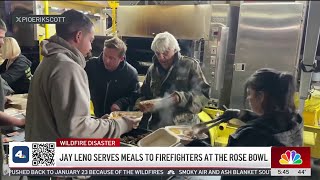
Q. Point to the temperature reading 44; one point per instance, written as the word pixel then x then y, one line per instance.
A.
pixel 301 171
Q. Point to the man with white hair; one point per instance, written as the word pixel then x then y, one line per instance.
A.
pixel 179 82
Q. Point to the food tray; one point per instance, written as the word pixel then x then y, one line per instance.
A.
pixel 130 114
pixel 184 133
pixel 159 138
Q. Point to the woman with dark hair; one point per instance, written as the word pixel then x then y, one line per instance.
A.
pixel 271 96
pixel 275 122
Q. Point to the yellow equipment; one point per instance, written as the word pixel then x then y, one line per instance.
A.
pixel 311 118
pixel 46 12
pixel 114 5
pixel 91 109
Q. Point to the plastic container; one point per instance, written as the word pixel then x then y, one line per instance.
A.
pixel 159 138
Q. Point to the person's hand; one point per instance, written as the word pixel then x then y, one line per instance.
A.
pixel 132 122
pixel 159 103
pixel 174 98
pixel 146 106
pixel 115 107
pixel 21 122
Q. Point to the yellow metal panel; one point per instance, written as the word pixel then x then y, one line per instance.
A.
pixel 46 12
pixel 75 5
pixel 114 5
pixel 311 138
pixel 100 4
pixel 311 113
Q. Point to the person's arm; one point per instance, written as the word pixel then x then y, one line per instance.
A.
pixel 2 95
pixel 70 101
pixel 3 66
pixel 129 100
pixel 6 120
pixel 198 96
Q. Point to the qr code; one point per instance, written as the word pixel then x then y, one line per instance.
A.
pixel 43 154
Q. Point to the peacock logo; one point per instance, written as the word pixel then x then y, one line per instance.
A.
pixel 290 158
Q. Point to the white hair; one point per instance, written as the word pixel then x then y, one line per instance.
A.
pixel 164 41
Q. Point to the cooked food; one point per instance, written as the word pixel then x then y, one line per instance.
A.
pixel 175 130
pixel 133 140
pixel 129 114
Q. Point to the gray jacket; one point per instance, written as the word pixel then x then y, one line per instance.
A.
pixel 58 99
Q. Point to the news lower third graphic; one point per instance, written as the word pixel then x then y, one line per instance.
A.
pixel 21 154
pixel 105 157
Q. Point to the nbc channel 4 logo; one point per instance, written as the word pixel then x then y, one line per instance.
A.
pixel 20 154
pixel 290 158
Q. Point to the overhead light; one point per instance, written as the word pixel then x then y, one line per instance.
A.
pixel 96 14
pixel 86 12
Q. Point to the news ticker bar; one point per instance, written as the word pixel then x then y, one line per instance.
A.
pixel 140 172
pixel 160 172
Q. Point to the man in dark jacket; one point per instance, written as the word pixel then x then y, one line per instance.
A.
pixel 113 82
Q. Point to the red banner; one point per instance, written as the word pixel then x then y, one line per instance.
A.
pixel 87 142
